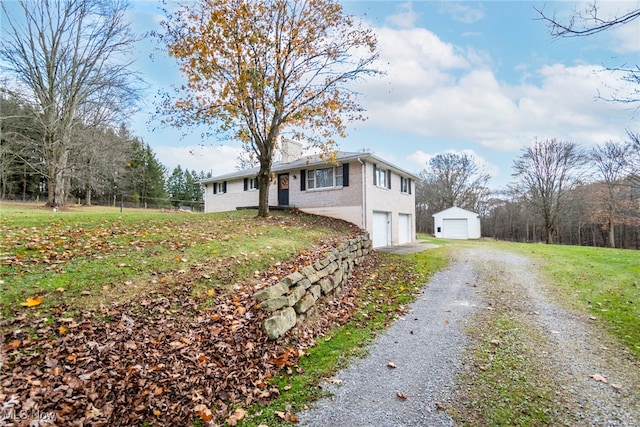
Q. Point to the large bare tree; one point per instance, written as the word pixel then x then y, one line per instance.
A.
pixel 257 67
pixel 611 159
pixel 547 170
pixel 67 57
pixel 456 180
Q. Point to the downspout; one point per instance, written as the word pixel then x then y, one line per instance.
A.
pixel 364 193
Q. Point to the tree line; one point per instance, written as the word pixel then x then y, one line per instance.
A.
pixel 107 165
pixel 561 193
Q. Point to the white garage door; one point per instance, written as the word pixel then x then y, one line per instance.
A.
pixel 381 229
pixel 404 229
pixel 455 229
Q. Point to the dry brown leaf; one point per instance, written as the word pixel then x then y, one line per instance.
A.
pixel 203 412
pixel 401 395
pixel 599 378
pixel 391 365
pixel 237 416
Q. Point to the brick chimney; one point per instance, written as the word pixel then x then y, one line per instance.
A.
pixel 290 150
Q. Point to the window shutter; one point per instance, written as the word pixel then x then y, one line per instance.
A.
pixel 215 188
pixel 345 175
pixel 375 172
pixel 246 184
pixel 224 186
pixel 389 179
pixel 409 185
pixel 303 179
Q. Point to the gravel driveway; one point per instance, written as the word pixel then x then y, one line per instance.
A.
pixel 411 369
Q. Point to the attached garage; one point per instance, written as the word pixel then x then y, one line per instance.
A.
pixel 381 229
pixel 404 229
pixel 456 223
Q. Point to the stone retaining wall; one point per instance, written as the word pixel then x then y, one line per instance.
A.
pixel 294 298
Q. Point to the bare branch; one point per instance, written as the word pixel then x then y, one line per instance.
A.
pixel 586 23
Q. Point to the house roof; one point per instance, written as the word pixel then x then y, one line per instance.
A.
pixel 309 162
pixel 453 210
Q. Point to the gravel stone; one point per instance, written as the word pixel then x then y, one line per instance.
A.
pixel 425 347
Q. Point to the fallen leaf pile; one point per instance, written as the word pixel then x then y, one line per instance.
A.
pixel 167 358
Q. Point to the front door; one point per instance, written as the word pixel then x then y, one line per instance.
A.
pixel 283 189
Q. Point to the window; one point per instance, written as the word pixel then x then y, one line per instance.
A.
pixel 338 175
pixel 250 184
pixel 219 187
pixel 325 177
pixel 405 185
pixel 381 177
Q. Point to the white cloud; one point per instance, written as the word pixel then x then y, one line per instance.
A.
pixel 437 90
pixel 219 160
pixel 465 13
pixel 405 17
pixel 626 38
pixel 416 62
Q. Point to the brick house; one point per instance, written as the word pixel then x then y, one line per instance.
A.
pixel 359 187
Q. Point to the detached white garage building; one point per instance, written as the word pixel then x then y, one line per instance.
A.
pixel 456 223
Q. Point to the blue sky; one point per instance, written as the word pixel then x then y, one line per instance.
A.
pixel 484 78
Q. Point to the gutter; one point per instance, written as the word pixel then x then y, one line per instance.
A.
pixel 364 193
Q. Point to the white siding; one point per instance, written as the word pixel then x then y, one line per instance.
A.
pixel 229 201
pixel 457 223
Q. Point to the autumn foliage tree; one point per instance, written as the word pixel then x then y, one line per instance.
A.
pixel 257 67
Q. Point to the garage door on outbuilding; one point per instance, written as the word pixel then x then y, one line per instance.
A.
pixel 456 223
pixel 455 228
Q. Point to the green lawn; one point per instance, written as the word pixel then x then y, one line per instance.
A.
pixel 63 255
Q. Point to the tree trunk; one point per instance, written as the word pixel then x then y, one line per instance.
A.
pixel 87 195
pixel 51 187
pixel 612 236
pixel 264 180
pixel 57 179
pixel 264 175
pixel 59 196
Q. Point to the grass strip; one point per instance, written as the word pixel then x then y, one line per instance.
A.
pixel 507 380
